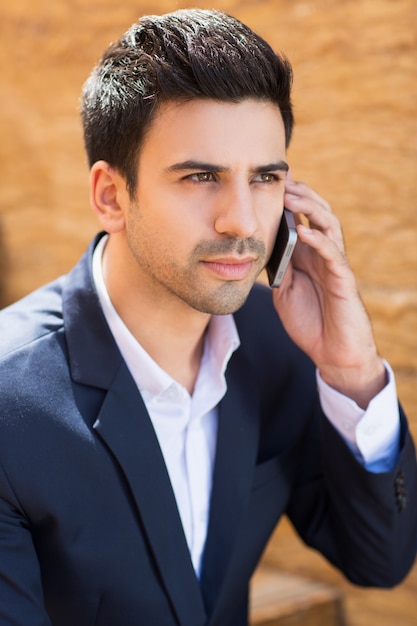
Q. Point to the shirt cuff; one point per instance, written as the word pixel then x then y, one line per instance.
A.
pixel 373 435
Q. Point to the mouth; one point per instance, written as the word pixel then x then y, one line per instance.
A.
pixel 229 268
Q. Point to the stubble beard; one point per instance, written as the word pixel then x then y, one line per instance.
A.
pixel 230 295
pixel 186 283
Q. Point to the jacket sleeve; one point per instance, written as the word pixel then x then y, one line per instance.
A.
pixel 362 522
pixel 21 594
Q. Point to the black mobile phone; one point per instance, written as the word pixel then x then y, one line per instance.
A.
pixel 283 249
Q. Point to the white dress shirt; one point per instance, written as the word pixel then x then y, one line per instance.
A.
pixel 186 426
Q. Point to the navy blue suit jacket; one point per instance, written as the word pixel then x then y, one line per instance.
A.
pixel 89 529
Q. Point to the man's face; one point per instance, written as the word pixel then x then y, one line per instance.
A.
pixel 208 202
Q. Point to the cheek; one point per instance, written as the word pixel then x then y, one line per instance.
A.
pixel 269 229
pixel 160 237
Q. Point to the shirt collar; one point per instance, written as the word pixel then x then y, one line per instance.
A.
pixel 221 341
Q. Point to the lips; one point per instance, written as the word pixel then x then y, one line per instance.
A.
pixel 230 268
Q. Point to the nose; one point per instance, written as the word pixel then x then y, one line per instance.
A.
pixel 235 213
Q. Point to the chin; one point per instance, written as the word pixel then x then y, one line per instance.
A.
pixel 229 300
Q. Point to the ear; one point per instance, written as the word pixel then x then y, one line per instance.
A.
pixel 109 197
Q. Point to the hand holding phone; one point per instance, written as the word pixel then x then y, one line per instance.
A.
pixel 283 249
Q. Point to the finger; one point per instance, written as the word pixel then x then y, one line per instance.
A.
pixel 318 217
pixel 327 249
pixel 304 191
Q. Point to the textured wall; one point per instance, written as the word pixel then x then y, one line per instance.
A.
pixel 355 141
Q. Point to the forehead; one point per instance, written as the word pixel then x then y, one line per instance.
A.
pixel 250 130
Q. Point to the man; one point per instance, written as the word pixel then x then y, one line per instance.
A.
pixel 156 419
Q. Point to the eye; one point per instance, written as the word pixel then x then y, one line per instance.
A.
pixel 266 177
pixel 201 177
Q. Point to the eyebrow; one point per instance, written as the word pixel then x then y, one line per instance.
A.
pixel 279 166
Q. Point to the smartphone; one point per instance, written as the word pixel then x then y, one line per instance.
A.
pixel 283 249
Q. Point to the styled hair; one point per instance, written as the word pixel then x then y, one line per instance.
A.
pixel 179 56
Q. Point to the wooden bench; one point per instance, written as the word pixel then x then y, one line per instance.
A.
pixel 281 599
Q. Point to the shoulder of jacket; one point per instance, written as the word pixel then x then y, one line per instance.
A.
pixel 34 316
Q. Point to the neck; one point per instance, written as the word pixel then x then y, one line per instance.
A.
pixel 170 331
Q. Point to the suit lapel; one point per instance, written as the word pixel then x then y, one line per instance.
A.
pixel 124 425
pixel 236 454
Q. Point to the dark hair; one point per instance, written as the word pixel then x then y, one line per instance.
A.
pixel 178 56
